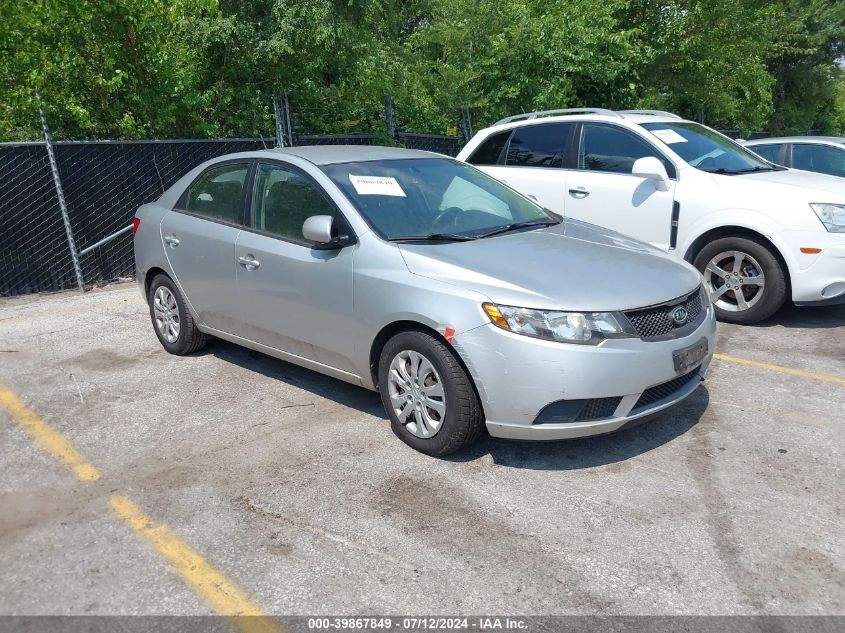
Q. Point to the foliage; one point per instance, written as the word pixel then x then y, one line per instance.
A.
pixel 177 68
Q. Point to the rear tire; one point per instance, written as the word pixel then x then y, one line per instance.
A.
pixel 428 395
pixel 745 278
pixel 172 321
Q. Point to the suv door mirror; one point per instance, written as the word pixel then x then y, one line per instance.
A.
pixel 653 169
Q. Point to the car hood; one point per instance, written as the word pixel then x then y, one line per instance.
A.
pixel 568 266
pixel 807 184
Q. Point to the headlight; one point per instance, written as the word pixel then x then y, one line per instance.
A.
pixel 831 215
pixel 585 328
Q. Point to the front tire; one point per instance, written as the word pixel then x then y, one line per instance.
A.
pixel 428 395
pixel 746 281
pixel 172 321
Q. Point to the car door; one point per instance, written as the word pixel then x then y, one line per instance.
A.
pixel 602 189
pixel 531 159
pixel 293 296
pixel 199 236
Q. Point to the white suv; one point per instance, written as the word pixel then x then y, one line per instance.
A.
pixel 756 231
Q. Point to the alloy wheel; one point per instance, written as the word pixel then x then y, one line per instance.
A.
pixel 166 314
pixel 735 281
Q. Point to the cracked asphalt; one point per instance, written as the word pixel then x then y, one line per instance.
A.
pixel 292 485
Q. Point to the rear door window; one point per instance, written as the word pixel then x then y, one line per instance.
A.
pixel 218 194
pixel 820 158
pixel 541 145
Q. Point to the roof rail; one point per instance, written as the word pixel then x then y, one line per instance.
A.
pixel 671 115
pixel 534 115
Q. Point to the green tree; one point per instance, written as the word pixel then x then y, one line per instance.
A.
pixel 809 88
pixel 105 69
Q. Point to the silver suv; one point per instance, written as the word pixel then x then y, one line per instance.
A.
pixel 462 302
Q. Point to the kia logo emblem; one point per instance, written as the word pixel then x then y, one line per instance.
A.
pixel 679 315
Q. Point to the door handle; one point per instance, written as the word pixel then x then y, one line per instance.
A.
pixel 249 262
pixel 172 240
pixel 579 192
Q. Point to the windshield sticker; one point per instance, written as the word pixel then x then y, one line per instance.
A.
pixel 376 186
pixel 669 136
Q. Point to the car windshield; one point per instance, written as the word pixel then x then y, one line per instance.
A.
pixel 706 149
pixel 434 199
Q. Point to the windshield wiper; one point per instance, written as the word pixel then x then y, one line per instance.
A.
pixel 433 237
pixel 734 172
pixel 518 225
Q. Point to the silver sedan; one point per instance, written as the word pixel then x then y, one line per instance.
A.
pixel 463 303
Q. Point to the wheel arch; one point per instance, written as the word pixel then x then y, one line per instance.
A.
pixel 407 325
pixel 720 232
pixel 151 274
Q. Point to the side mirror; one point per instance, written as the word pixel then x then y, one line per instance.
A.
pixel 320 229
pixel 651 168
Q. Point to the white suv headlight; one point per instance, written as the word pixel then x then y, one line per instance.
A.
pixel 585 328
pixel 831 215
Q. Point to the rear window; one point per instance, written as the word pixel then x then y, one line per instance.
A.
pixel 538 145
pixel 490 151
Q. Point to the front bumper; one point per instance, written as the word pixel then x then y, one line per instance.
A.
pixel 817 279
pixel 518 376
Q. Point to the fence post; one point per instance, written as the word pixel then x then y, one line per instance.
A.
pixel 388 115
pixel 465 126
pixel 287 119
pixel 60 194
pixel 280 133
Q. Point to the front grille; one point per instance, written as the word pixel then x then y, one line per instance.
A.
pixel 659 392
pixel 656 322
pixel 578 410
pixel 598 408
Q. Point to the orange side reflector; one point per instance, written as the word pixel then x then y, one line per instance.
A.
pixel 810 251
pixel 449 334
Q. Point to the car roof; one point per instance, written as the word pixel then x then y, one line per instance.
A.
pixel 328 154
pixel 798 139
pixel 636 117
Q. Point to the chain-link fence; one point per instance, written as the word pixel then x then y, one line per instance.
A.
pixel 34 252
pixel 104 183
pixel 440 143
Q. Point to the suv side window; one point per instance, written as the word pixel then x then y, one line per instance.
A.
pixel 218 194
pixel 283 199
pixel 490 151
pixel 612 149
pixel 820 158
pixel 770 152
pixel 538 145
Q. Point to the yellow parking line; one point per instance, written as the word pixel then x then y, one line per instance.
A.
pixel 219 592
pixel 50 440
pixel 212 586
pixel 784 370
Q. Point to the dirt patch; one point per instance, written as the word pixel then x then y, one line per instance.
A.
pixel 102 360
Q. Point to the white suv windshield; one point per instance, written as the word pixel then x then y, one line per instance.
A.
pixel 706 149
